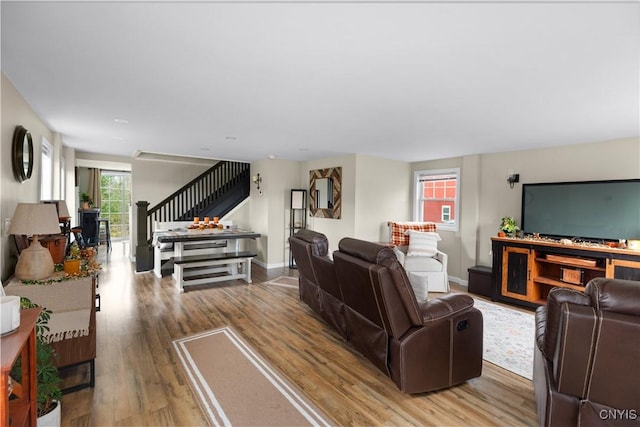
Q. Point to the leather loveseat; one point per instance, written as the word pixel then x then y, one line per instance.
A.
pixel 364 293
pixel 587 356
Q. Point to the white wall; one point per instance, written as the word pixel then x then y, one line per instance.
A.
pixel 14 111
pixel 270 211
pixel 374 191
pixel 335 229
pixel 383 193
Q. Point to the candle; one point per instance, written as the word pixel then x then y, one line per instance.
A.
pixel 206 220
pixel 196 220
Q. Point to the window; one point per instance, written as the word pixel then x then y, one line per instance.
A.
pixel 115 194
pixel 46 170
pixel 437 197
pixel 63 180
pixel 446 214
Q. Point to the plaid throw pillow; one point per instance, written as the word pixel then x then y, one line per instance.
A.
pixel 398 230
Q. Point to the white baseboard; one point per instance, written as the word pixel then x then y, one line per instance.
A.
pixel 268 266
pixel 459 281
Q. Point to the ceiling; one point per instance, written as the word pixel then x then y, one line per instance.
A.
pixel 299 80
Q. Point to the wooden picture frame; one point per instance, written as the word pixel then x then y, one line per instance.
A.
pixel 325 192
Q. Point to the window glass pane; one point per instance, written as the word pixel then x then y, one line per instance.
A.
pixel 63 182
pixel 115 191
pixel 46 169
pixel 437 198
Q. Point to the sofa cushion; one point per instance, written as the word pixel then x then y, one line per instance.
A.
pixel 421 243
pixel 556 298
pixel 398 230
pixel 319 242
pixel 366 251
pixel 413 263
pixel 616 295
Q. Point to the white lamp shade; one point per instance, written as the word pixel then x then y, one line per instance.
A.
pixel 61 207
pixel 35 262
pixel 35 218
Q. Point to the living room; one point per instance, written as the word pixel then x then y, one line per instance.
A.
pixel 375 189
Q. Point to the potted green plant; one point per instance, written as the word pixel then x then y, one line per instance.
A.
pixel 86 200
pixel 508 226
pixel 73 260
pixel 47 378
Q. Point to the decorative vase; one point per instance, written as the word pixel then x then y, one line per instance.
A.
pixel 72 266
pixel 53 418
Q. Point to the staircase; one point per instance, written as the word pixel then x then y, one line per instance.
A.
pixel 215 192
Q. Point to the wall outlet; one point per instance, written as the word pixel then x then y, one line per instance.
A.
pixel 7 224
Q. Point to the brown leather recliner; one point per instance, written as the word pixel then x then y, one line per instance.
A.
pixel 421 347
pixel 318 285
pixel 587 356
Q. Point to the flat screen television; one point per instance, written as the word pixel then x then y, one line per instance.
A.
pixel 588 210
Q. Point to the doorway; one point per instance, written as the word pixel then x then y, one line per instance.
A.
pixel 115 192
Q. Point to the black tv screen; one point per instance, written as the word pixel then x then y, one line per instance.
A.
pixel 590 210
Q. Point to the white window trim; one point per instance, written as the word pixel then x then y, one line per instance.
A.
pixel 46 146
pixel 416 196
pixel 63 179
pixel 446 208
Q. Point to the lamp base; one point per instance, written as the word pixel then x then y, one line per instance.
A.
pixel 34 263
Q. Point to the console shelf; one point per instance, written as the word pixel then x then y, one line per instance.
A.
pixel 556 283
pixel 579 262
pixel 525 270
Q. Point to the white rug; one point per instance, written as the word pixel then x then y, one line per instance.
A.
pixel 508 337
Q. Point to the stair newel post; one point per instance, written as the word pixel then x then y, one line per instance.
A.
pixel 144 251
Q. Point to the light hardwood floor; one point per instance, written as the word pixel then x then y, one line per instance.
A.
pixel 139 380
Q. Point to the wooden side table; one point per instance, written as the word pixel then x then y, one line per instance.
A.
pixel 69 296
pixel 22 410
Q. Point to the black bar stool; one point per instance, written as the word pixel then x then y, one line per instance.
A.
pixel 107 232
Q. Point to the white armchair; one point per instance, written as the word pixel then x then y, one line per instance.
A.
pixel 416 247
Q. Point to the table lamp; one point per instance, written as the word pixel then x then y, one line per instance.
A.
pixel 61 208
pixel 35 262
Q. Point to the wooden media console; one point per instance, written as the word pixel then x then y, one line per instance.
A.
pixel 525 270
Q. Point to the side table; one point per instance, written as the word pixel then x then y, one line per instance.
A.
pixel 480 280
pixel 20 411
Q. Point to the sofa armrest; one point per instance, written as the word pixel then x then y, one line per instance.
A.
pixel 400 253
pixel 443 258
pixel 445 306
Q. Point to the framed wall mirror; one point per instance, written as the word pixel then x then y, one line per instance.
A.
pixel 325 191
pixel 22 154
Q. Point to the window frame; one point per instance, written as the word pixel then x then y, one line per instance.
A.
pixel 46 165
pixel 418 197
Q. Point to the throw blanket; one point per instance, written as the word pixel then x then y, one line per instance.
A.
pixel 70 301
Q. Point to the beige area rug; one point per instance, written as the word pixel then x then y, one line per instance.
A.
pixel 508 337
pixel 285 281
pixel 236 387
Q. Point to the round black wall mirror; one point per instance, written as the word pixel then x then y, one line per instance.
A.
pixel 22 154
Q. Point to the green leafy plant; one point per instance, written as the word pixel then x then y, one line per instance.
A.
pixel 508 225
pixel 84 197
pixel 74 251
pixel 48 380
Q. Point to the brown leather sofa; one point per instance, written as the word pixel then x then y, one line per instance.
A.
pixel 587 356
pixel 364 293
